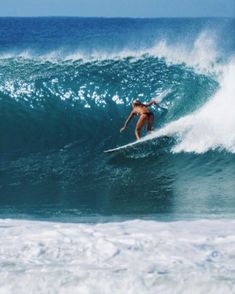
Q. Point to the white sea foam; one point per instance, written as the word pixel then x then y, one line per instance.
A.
pixel 212 126
pixel 123 257
pixel 202 54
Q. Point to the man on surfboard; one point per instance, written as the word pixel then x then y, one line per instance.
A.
pixel 145 116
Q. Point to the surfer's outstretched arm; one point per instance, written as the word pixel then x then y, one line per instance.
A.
pixel 127 121
pixel 153 102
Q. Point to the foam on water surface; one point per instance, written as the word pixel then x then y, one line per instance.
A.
pixel 123 257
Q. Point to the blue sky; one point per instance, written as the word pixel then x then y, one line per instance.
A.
pixel 114 8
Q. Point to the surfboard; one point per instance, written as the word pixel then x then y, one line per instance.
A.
pixel 142 140
pixel 121 147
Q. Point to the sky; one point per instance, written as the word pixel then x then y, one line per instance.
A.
pixel 118 8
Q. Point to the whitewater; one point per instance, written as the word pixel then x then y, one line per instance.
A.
pixel 127 257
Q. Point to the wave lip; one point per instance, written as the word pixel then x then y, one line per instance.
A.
pixel 146 256
pixel 202 55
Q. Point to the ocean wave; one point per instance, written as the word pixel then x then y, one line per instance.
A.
pixel 50 97
pixel 205 118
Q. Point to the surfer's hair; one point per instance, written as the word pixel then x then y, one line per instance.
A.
pixel 136 102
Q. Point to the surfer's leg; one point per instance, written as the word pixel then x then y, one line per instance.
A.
pixel 139 125
pixel 150 123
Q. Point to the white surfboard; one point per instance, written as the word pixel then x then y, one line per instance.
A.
pixel 143 139
pixel 121 147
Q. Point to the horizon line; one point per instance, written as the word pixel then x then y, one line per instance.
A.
pixel 108 17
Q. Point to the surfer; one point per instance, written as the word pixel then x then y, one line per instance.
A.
pixel 145 116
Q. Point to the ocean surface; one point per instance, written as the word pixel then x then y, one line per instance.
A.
pixel 155 217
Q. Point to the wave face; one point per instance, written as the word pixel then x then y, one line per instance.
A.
pixel 66 86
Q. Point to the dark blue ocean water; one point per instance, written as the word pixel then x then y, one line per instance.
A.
pixel 66 85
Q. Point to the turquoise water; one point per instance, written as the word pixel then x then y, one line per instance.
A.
pixel 65 90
